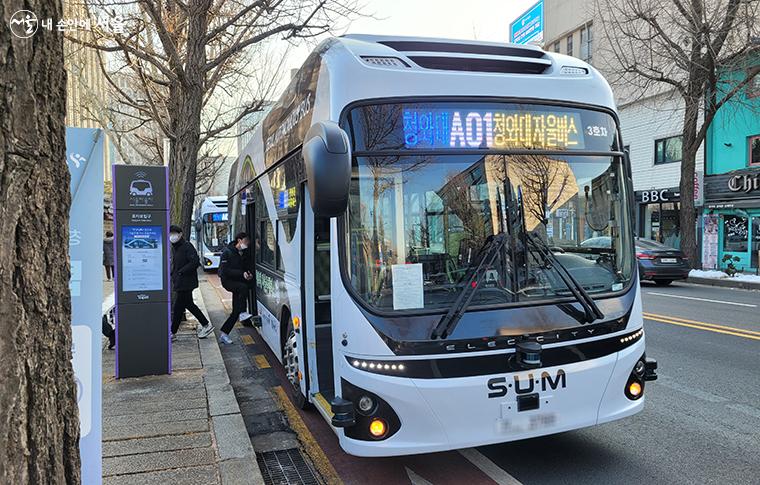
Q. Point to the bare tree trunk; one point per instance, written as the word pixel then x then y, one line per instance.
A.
pixel 39 429
pixel 690 146
pixel 189 120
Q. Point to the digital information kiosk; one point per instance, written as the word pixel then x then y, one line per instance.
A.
pixel 143 307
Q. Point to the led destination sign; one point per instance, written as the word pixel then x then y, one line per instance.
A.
pixel 438 128
pixel 482 126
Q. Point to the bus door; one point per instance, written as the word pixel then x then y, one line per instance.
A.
pixel 250 229
pixel 316 287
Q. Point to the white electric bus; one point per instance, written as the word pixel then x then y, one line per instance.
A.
pixel 417 209
pixel 211 230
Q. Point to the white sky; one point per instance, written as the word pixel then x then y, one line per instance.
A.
pixel 455 19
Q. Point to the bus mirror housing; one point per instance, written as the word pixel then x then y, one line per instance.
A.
pixel 327 160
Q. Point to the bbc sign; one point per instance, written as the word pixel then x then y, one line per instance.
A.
pixel 657 196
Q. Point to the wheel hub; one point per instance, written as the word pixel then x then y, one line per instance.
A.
pixel 291 361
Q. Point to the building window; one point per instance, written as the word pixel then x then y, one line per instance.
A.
pixel 753 87
pixel 569 40
pixel 555 47
pixel 735 234
pixel 667 150
pixel 586 39
pixel 754 150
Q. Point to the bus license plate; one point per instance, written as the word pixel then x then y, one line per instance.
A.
pixel 524 424
pixel 668 260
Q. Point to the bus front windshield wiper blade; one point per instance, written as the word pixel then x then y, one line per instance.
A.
pixel 490 251
pixel 590 309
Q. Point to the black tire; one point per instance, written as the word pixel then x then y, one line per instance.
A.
pixel 662 282
pixel 294 388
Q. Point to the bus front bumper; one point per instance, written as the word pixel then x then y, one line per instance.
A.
pixel 444 414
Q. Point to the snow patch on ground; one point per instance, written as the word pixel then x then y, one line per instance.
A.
pixel 716 275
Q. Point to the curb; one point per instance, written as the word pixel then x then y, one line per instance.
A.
pixel 725 283
pixel 237 460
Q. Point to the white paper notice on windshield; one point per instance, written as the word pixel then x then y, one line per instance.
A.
pixel 407 286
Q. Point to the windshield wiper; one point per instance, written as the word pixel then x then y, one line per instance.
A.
pixel 590 309
pixel 490 251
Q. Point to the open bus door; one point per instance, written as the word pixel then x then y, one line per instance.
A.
pixel 317 302
pixel 250 229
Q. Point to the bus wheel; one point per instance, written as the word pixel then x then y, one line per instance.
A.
pixel 292 371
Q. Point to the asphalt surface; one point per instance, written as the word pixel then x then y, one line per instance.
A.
pixel 701 423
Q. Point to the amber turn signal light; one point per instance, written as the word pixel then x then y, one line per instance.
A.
pixel 378 428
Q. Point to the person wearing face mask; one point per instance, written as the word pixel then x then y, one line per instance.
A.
pixel 235 278
pixel 184 273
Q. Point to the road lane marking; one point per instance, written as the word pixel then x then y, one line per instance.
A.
pixel 700 299
pixel 700 326
pixel 491 469
pixel 705 324
pixel 696 322
pixel 310 445
pixel 261 361
pixel 416 479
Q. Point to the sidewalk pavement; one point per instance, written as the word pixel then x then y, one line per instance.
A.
pixel 183 428
pixel 724 282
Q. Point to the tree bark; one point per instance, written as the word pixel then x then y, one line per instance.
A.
pixel 39 429
pixel 188 121
pixel 690 147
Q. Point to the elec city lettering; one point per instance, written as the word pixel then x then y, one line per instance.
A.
pixel 744 183
pixel 495 129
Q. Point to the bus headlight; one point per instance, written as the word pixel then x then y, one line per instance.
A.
pixel 366 405
pixel 634 388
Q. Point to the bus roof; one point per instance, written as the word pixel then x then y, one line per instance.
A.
pixel 356 67
pixel 216 203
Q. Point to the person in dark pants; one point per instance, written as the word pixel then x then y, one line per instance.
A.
pixel 108 255
pixel 235 278
pixel 184 272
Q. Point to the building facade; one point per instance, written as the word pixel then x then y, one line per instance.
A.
pixel 86 85
pixel 731 218
pixel 651 126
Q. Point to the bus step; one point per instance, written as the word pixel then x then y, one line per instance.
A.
pixel 286 467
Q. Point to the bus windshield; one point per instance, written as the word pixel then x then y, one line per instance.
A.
pixel 423 210
pixel 215 235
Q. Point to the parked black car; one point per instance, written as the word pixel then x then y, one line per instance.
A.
pixel 657 262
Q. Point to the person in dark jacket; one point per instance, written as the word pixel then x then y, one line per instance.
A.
pixel 233 271
pixel 108 255
pixel 184 274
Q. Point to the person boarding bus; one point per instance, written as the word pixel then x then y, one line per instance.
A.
pixel 235 278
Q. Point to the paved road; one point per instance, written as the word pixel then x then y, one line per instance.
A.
pixel 701 423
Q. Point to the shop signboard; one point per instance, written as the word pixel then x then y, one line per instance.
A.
pixel 735 185
pixel 655 196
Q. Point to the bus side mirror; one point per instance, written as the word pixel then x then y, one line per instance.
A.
pixel 327 160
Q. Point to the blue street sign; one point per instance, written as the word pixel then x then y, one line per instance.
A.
pixel 84 156
pixel 528 27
